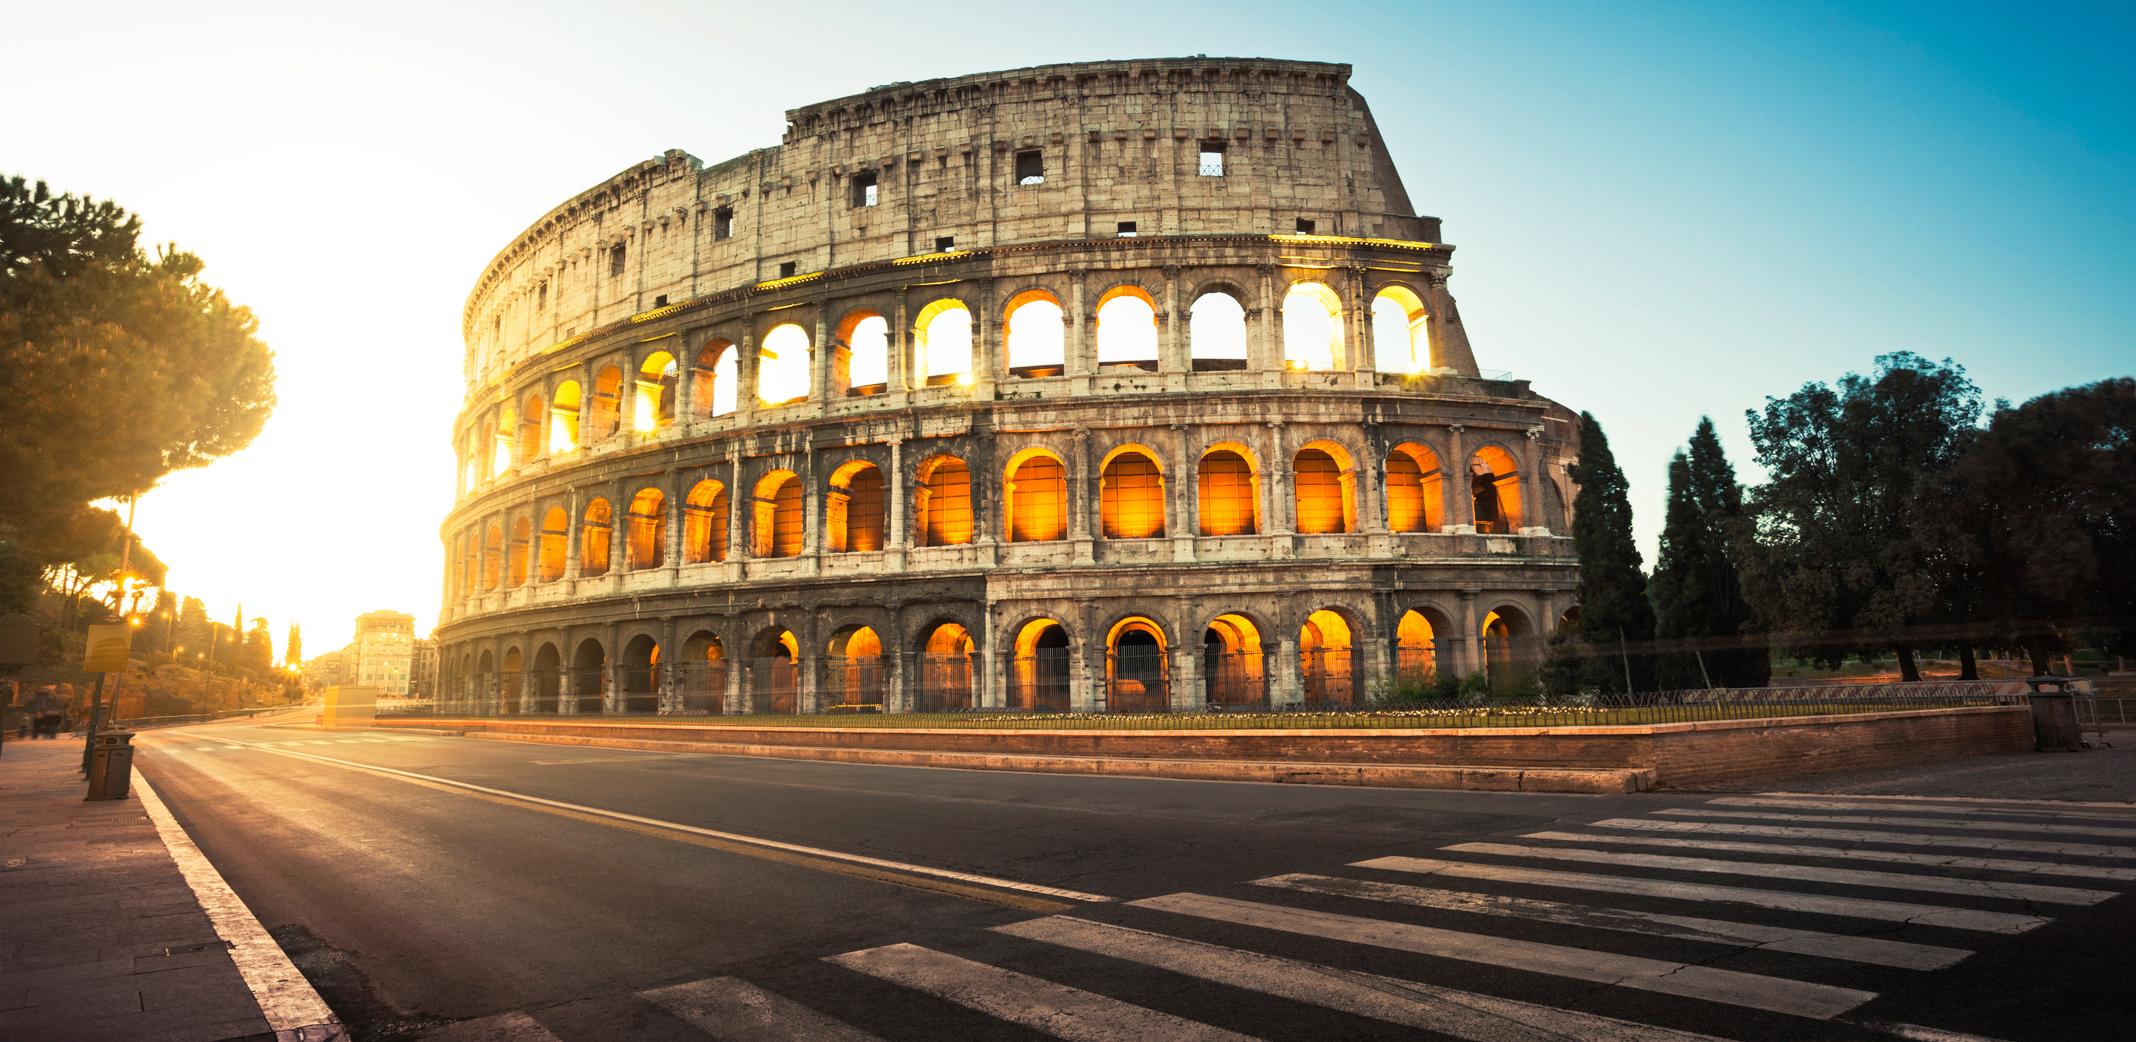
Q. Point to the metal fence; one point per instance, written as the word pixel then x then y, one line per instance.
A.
pixel 855 682
pixel 1039 681
pixel 700 687
pixel 945 683
pixel 1136 680
pixel 1327 678
pixel 1235 680
pixel 773 683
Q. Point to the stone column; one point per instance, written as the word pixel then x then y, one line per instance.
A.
pixel 811 510
pixel 1468 653
pixel 1188 691
pixel 900 375
pixel 897 540
pixel 1079 351
pixel 666 664
pixel 746 396
pixel 740 504
pixel 1081 504
pixel 1264 355
pixel 685 386
pixel 611 669
pixel 1371 484
pixel 1456 495
pixel 1363 351
pixel 1449 343
pixel 671 543
pixel 619 536
pixel 988 347
pixel 1088 662
pixel 1277 480
pixel 1171 348
pixel 1184 523
pixel 1533 518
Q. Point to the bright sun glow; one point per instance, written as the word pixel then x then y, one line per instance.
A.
pixel 782 371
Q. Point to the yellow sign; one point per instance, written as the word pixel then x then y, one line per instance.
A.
pixel 109 647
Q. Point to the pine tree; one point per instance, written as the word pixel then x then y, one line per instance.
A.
pixel 1614 610
pixel 1697 592
pixel 258 657
pixel 293 651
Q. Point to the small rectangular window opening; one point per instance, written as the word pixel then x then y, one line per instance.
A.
pixel 1212 159
pixel 723 223
pixel 541 298
pixel 615 260
pixel 945 243
pixel 1127 229
pixel 786 270
pixel 864 188
pixel 1305 227
pixel 1030 168
pixel 660 301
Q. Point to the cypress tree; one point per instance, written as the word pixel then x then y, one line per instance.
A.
pixel 1614 609
pixel 1697 591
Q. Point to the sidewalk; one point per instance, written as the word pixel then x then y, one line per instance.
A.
pixel 2092 776
pixel 104 936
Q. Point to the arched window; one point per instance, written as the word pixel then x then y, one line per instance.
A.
pixel 607 408
pixel 713 395
pixel 1232 665
pixel 942 503
pixel 1037 337
pixel 1127 329
pixel 564 418
pixel 1321 484
pixel 655 408
pixel 1494 481
pixel 1038 675
pixel 493 558
pixel 945 670
pixel 594 533
pixel 942 343
pixel 853 509
pixel 1037 490
pixel 641 664
pixel 1400 340
pixel 1229 493
pixel 1312 328
pixel 647 539
pixel 778 531
pixel 1415 492
pixel 502 440
pixel 1216 333
pixel 1131 497
pixel 1324 658
pixel 860 355
pixel 782 366
pixel 704 523
pixel 1136 677
pixel 532 418
pixel 854 672
pixel 516 561
pixel 554 534
pixel 589 675
pixel 1510 652
pixel 1416 648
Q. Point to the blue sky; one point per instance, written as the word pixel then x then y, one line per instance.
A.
pixel 1661 210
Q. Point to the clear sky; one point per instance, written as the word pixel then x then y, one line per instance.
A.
pixel 1661 210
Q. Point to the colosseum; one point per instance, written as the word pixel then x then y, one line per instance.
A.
pixel 1124 386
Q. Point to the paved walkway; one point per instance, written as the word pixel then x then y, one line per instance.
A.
pixel 2097 775
pixel 101 934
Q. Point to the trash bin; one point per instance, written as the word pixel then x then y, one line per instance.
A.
pixel 111 765
pixel 2054 715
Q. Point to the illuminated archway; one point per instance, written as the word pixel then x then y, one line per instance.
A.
pixel 1510 652
pixel 1233 669
pixel 589 676
pixel 516 560
pixel 782 366
pixel 1131 495
pixel 1037 335
pixel 856 671
pixel 1416 498
pixel 493 558
pixel 704 523
pixel 1494 482
pixel 1400 339
pixel 777 531
pixel 531 424
pixel 594 534
pixel 774 672
pixel 853 509
pixel 548 679
pixel 1038 674
pixel 1127 328
pixel 641 675
pixel 502 439
pixel 700 674
pixel 942 502
pixel 1229 493
pixel 946 669
pixel 1323 484
pixel 1036 488
pixel 655 407
pixel 942 343
pixel 1216 332
pixel 1416 656
pixel 646 542
pixel 1312 328
pixel 564 418
pixel 1324 655
pixel 860 355
pixel 555 533
pixel 607 410
pixel 1137 679
pixel 714 392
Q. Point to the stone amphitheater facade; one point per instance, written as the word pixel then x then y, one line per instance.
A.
pixel 1127 385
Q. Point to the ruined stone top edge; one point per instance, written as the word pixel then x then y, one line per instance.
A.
pixel 877 95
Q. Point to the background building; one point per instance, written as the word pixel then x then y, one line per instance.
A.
pixel 383 654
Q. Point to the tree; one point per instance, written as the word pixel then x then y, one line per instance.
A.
pixel 193 630
pixel 1614 610
pixel 258 654
pixel 1697 591
pixel 116 368
pixel 293 650
pixel 2041 510
pixel 1837 548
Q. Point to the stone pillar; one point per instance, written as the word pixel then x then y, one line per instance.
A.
pixel 1188 691
pixel 1183 489
pixel 1456 495
pixel 1449 343
pixel 611 670
pixel 811 510
pixel 1357 304
pixel 900 375
pixel 819 366
pixel 671 541
pixel 897 540
pixel 746 397
pixel 1468 653
pixel 1277 480
pixel 668 661
pixel 1171 347
pixel 1371 484
pixel 1263 354
pixel 1088 662
pixel 988 347
pixel 1081 503
pixel 1533 518
pixel 1079 367
pixel 619 536
pixel 740 504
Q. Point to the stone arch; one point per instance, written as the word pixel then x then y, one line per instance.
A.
pixel 1418 636
pixel 589 676
pixel 505 438
pixel 704 523
pixel 947 668
pixel 1234 660
pixel 1401 340
pixel 493 558
pixel 1494 482
pixel 1228 490
pixel 1312 327
pixel 595 531
pixel 516 557
pixel 1324 488
pixel 1512 649
pixel 645 543
pixel 774 670
pixel 1035 494
pixel 1416 490
pixel 715 382
pixel 564 417
pixel 783 365
pixel 1216 328
pixel 656 385
pixel 942 343
pixel 860 354
pixel 1327 645
pixel 533 417
pixel 854 516
pixel 555 533
pixel 640 675
pixel 1127 328
pixel 1040 665
pixel 606 409
pixel 700 673
pixel 776 521
pixel 942 502
pixel 1034 334
pixel 856 673
pixel 511 682
pixel 1138 677
pixel 547 679
pixel 1131 500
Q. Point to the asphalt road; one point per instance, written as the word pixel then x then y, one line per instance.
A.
pixel 610 894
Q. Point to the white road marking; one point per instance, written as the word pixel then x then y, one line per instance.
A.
pixel 1902 839
pixel 1798 998
pixel 1056 1009
pixel 2027 811
pixel 2045 827
pixel 1916 1032
pixel 1988 864
pixel 1870 950
pixel 737 1011
pixel 835 855
pixel 1851 876
pixel 1461 1014
pixel 1855 907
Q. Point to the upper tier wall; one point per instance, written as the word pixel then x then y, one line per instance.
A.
pixel 1117 141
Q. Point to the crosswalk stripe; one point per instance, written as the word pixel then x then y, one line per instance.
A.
pixel 737 1011
pixel 1460 1014
pixel 1777 994
pixel 1855 907
pixel 2044 827
pixel 1852 876
pixel 1903 839
pixel 1902 857
pixel 1934 807
pixel 1056 1009
pixel 1870 950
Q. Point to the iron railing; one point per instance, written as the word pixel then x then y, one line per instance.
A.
pixel 1136 681
pixel 945 683
pixel 1235 681
pixel 1039 681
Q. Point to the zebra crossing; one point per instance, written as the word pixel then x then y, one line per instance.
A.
pixel 1648 903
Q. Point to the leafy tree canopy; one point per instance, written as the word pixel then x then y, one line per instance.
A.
pixel 1613 590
